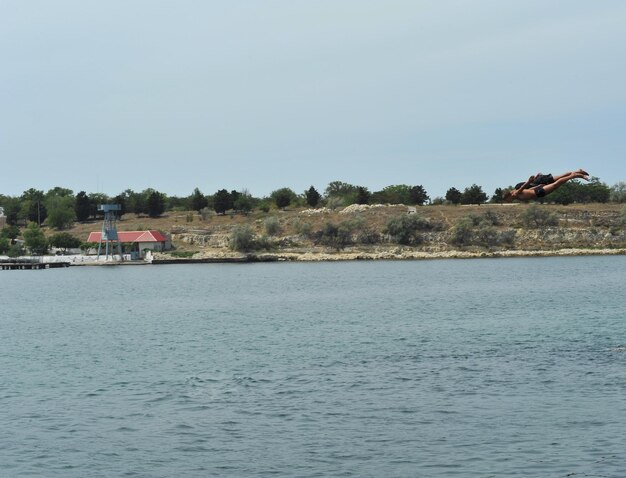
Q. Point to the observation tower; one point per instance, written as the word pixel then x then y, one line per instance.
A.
pixel 109 231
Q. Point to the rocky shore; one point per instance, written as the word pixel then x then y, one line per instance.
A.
pixel 392 254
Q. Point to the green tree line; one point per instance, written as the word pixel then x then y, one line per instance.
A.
pixel 59 207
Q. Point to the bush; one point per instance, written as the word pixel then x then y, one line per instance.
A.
pixel 468 232
pixel 265 206
pixel 333 202
pixel 242 239
pixel 183 254
pixel 64 240
pixel 491 218
pixel 368 236
pixel 205 213
pixel 302 228
pixel 16 250
pixel 538 217
pixel 461 232
pixel 404 229
pixel 5 245
pixel 263 243
pixel 272 226
pixel 333 235
pixel 622 218
pixel 10 232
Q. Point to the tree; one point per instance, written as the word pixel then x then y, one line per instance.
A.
pixel 5 245
pixel 395 194
pixel 283 197
pixel 473 194
pixel 97 199
pixel 61 213
pixel 33 206
pixel 35 240
pixel 60 192
pixel 363 195
pixel 618 192
pixel 12 207
pixel 120 199
pixel 234 195
pixel 312 197
pixel 64 241
pixel 244 202
pixel 339 189
pixel 156 204
pixel 418 195
pixel 10 232
pixel 597 191
pixel 82 206
pixel 454 195
pixel 498 196
pixel 137 202
pixel 198 200
pixel 222 201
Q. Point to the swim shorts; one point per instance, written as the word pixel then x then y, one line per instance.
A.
pixel 540 192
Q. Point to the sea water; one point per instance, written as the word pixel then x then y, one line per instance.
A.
pixel 448 368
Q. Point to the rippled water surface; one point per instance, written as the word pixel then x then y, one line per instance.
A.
pixel 471 368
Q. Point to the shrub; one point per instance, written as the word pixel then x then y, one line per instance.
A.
pixel 468 232
pixel 368 236
pixel 205 213
pixel 5 245
pixel 16 250
pixel 538 217
pixel 183 254
pixel 404 229
pixel 10 232
pixel 302 228
pixel 461 232
pixel 64 240
pixel 272 226
pixel 242 239
pixel 333 235
pixel 491 218
pixel 263 242
pixel 333 202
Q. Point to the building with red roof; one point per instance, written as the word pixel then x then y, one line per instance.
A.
pixel 136 243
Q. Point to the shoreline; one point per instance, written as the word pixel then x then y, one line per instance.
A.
pixel 397 255
pixel 389 256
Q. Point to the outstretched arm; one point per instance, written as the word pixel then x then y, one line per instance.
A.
pixel 523 186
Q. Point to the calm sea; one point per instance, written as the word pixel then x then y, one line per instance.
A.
pixel 459 368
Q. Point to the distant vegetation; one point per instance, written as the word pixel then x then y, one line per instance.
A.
pixel 60 208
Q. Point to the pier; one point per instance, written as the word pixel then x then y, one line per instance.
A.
pixel 31 265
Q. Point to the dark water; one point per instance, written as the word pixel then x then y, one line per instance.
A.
pixel 478 368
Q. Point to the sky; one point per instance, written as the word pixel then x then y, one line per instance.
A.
pixel 264 94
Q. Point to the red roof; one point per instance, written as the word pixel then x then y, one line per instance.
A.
pixel 131 236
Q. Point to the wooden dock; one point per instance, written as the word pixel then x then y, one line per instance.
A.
pixel 31 265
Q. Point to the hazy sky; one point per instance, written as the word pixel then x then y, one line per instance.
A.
pixel 103 96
